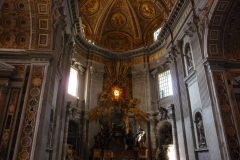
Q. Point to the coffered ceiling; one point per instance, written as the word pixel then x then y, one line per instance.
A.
pixel 123 25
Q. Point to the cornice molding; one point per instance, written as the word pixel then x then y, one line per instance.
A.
pixel 7 70
pixel 28 55
pixel 221 64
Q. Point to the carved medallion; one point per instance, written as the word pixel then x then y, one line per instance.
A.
pixel 5 136
pixel 20 5
pixel 92 6
pixel 31 116
pixel 28 129
pixel 223 97
pixel 147 10
pixel 11 108
pixel 221 87
pixel 7 39
pixel 24 154
pixel 7 22
pixel 118 19
pixel 33 102
pixel 231 131
pixel 22 39
pixel 6 7
pixel 233 143
pixel 37 81
pixel 225 108
pixel 34 92
pixel 26 141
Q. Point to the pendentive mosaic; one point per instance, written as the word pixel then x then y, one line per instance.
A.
pixel 29 123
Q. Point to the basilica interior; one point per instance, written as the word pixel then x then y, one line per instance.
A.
pixel 120 79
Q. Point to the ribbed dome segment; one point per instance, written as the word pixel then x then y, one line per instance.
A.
pixel 122 25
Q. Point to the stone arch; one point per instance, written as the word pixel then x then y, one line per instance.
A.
pixel 73 140
pixel 164 137
pixel 214 35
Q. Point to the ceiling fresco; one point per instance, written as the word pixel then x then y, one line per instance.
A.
pixel 122 25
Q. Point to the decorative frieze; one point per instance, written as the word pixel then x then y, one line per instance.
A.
pixel 31 112
pixel 8 122
pixel 226 111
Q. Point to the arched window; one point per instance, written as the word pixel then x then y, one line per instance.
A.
pixel 156 33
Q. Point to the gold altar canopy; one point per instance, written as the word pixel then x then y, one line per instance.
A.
pixel 116 97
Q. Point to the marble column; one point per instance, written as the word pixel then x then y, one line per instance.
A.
pixel 84 135
pixel 152 135
pixel 174 58
pixel 171 115
pixel 66 130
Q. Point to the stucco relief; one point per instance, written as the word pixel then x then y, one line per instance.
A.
pixel 139 76
pixel 97 74
pixel 118 19
pixel 91 6
pixel 147 10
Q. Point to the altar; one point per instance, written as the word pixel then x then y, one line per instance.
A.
pixel 120 154
pixel 117 139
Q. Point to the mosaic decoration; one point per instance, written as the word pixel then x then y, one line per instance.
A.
pixel 227 115
pixel 28 127
pixel 8 123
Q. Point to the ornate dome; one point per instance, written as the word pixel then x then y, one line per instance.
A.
pixel 122 25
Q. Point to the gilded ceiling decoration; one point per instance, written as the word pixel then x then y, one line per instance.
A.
pixel 14 24
pixel 25 24
pixel 122 25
